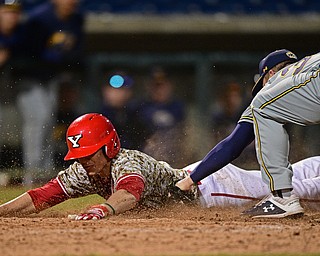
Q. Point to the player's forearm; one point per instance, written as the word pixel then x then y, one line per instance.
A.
pixel 19 206
pixel 121 201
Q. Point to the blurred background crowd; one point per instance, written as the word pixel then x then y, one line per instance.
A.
pixel 173 76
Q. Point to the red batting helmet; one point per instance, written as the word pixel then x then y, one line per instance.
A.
pixel 90 132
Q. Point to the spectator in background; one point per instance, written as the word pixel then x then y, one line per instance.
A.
pixel 227 109
pixel 122 108
pixel 54 38
pixel 226 112
pixel 163 114
pixel 11 33
pixel 10 30
pixel 67 111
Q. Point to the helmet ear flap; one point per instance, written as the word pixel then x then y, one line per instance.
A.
pixel 112 148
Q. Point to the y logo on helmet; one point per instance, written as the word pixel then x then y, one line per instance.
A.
pixel 74 140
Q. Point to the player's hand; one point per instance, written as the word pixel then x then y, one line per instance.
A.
pixel 96 212
pixel 185 184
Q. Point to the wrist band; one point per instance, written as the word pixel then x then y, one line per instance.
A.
pixel 110 206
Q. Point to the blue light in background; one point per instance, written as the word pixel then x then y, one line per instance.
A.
pixel 116 81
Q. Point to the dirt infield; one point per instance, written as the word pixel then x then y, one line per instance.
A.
pixel 177 230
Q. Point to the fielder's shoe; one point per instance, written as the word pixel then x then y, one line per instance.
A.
pixel 276 207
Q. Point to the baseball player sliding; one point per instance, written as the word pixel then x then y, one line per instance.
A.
pixel 127 178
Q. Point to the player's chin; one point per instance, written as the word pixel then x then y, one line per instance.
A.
pixel 91 173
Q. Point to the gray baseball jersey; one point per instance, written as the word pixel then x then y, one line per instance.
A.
pixel 292 95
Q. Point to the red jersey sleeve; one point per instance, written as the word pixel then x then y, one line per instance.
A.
pixel 133 183
pixel 48 195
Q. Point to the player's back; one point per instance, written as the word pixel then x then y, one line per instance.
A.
pixel 292 94
pixel 306 64
pixel 159 177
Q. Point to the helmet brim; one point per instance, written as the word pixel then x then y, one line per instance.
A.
pixel 82 152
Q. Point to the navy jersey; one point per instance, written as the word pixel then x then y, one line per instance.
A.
pixel 13 41
pixel 52 39
pixel 53 45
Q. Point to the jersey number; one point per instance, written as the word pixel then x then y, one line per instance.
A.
pixel 297 67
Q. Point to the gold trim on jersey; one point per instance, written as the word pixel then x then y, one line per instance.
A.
pixel 271 182
pixel 290 90
pixel 246 118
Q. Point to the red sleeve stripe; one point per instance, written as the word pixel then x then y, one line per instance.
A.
pixel 48 195
pixel 234 196
pixel 134 184
pixel 133 175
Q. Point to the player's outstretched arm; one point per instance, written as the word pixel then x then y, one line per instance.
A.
pixel 35 200
pixel 21 205
pixel 128 192
pixel 222 154
pixel 118 202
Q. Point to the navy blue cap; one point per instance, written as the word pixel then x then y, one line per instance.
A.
pixel 271 60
